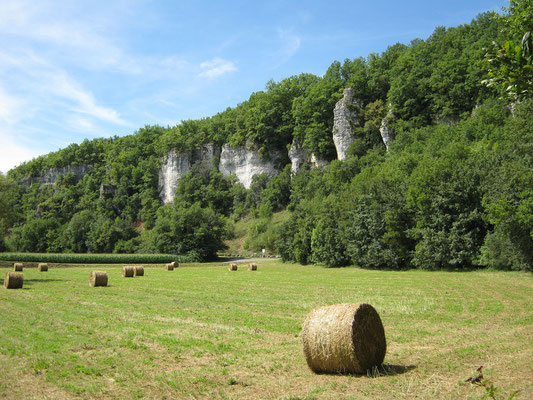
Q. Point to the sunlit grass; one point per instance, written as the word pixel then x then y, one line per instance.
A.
pixel 201 331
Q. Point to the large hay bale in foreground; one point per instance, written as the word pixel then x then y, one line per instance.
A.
pixel 128 271
pixel 139 270
pixel 18 267
pixel 43 267
pixel 170 267
pixel 175 264
pixel 14 280
pixel 98 278
pixel 344 338
pixel 252 267
pixel 232 267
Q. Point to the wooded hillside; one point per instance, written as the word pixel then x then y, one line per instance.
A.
pixel 454 189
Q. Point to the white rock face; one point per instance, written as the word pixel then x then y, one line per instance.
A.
pixel 50 176
pixel 245 163
pixel 297 155
pixel 345 117
pixel 175 165
pixel 317 162
pixel 385 130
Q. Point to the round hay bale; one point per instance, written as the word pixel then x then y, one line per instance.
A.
pixel 128 271
pixel 18 267
pixel 252 267
pixel 343 338
pixel 43 267
pixel 98 278
pixel 14 280
pixel 175 264
pixel 139 270
pixel 232 267
pixel 170 267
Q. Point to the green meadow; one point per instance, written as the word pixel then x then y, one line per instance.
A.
pixel 203 332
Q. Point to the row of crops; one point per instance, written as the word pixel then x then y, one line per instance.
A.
pixel 92 258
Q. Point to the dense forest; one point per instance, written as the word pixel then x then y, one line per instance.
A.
pixel 453 190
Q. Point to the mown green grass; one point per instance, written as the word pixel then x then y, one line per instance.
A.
pixel 201 331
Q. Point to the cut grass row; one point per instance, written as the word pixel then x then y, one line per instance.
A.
pixel 210 333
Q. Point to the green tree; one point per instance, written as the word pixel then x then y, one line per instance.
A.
pixel 511 63
pixel 192 230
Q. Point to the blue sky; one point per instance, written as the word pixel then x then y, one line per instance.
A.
pixel 71 70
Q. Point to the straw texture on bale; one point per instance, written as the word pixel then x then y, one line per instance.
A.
pixel 232 267
pixel 43 267
pixel 170 267
pixel 14 280
pixel 139 270
pixel 252 267
pixel 175 264
pixel 128 271
pixel 18 267
pixel 344 339
pixel 98 278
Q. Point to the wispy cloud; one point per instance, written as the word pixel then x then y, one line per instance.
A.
pixel 75 39
pixel 10 107
pixel 216 67
pixel 83 101
pixel 12 153
pixel 290 43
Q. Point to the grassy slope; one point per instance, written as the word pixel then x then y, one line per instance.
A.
pixel 205 332
pixel 235 245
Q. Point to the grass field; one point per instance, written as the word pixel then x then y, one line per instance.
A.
pixel 205 332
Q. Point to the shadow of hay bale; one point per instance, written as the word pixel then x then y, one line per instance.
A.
pixel 389 370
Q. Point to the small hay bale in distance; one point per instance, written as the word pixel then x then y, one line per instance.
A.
pixel 175 264
pixel 170 267
pixel 42 267
pixel 14 280
pixel 252 267
pixel 18 267
pixel 139 270
pixel 128 271
pixel 344 339
pixel 98 278
pixel 232 267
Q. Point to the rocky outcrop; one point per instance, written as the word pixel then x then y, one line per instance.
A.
pixel 386 130
pixel 297 155
pixel 245 162
pixel 50 176
pixel 107 191
pixel 175 165
pixel 345 118
pixel 317 162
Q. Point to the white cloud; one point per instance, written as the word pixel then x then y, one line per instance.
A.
pixel 291 43
pixel 43 84
pixel 216 67
pixel 65 87
pixel 10 107
pixel 13 154
pixel 78 39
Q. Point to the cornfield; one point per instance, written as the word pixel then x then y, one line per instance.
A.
pixel 93 258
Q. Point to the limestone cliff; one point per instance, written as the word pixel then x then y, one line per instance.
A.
pixel 245 162
pixel 345 117
pixel 175 165
pixel 297 155
pixel 50 176
pixel 386 130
